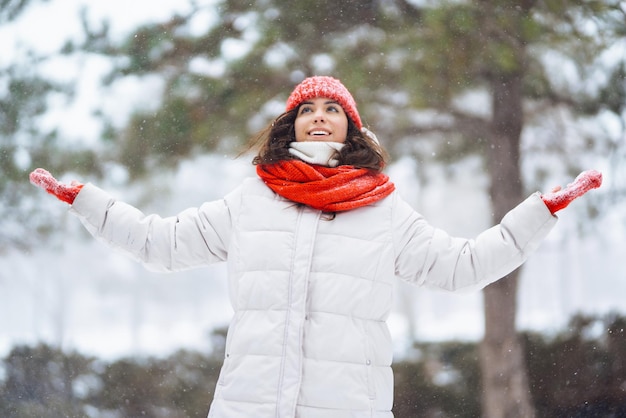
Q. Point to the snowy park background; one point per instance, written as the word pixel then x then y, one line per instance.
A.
pixel 75 293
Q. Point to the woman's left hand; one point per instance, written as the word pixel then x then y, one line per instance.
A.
pixel 559 198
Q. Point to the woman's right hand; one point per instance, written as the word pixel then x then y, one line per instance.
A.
pixel 45 180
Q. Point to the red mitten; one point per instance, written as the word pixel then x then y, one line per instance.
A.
pixel 559 199
pixel 67 193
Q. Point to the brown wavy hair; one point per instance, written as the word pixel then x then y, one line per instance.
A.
pixel 273 144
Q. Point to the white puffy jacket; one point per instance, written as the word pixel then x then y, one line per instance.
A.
pixel 311 294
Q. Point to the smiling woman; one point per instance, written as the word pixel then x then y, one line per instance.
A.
pixel 321 125
pixel 321 119
pixel 311 293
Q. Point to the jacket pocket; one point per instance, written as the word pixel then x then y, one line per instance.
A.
pixel 227 363
pixel 369 363
pixel 225 370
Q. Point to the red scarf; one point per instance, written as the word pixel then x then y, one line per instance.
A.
pixel 329 189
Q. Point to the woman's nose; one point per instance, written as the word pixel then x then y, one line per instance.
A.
pixel 319 116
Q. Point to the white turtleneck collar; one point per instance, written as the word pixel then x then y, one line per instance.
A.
pixel 317 152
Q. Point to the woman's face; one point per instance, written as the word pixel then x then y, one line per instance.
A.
pixel 321 119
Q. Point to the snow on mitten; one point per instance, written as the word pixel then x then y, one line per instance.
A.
pixel 559 199
pixel 67 193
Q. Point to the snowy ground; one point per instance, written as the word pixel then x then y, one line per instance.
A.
pixel 86 297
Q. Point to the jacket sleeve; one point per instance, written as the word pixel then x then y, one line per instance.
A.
pixel 196 236
pixel 428 256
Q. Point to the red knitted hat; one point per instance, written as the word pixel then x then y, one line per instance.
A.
pixel 322 86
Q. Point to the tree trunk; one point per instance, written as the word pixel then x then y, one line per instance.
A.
pixel 506 392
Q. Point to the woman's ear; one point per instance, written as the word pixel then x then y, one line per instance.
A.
pixel 370 135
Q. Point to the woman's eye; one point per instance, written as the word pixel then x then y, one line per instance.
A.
pixel 333 109
pixel 305 110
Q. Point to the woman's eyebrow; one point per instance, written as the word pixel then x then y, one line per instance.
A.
pixel 328 102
